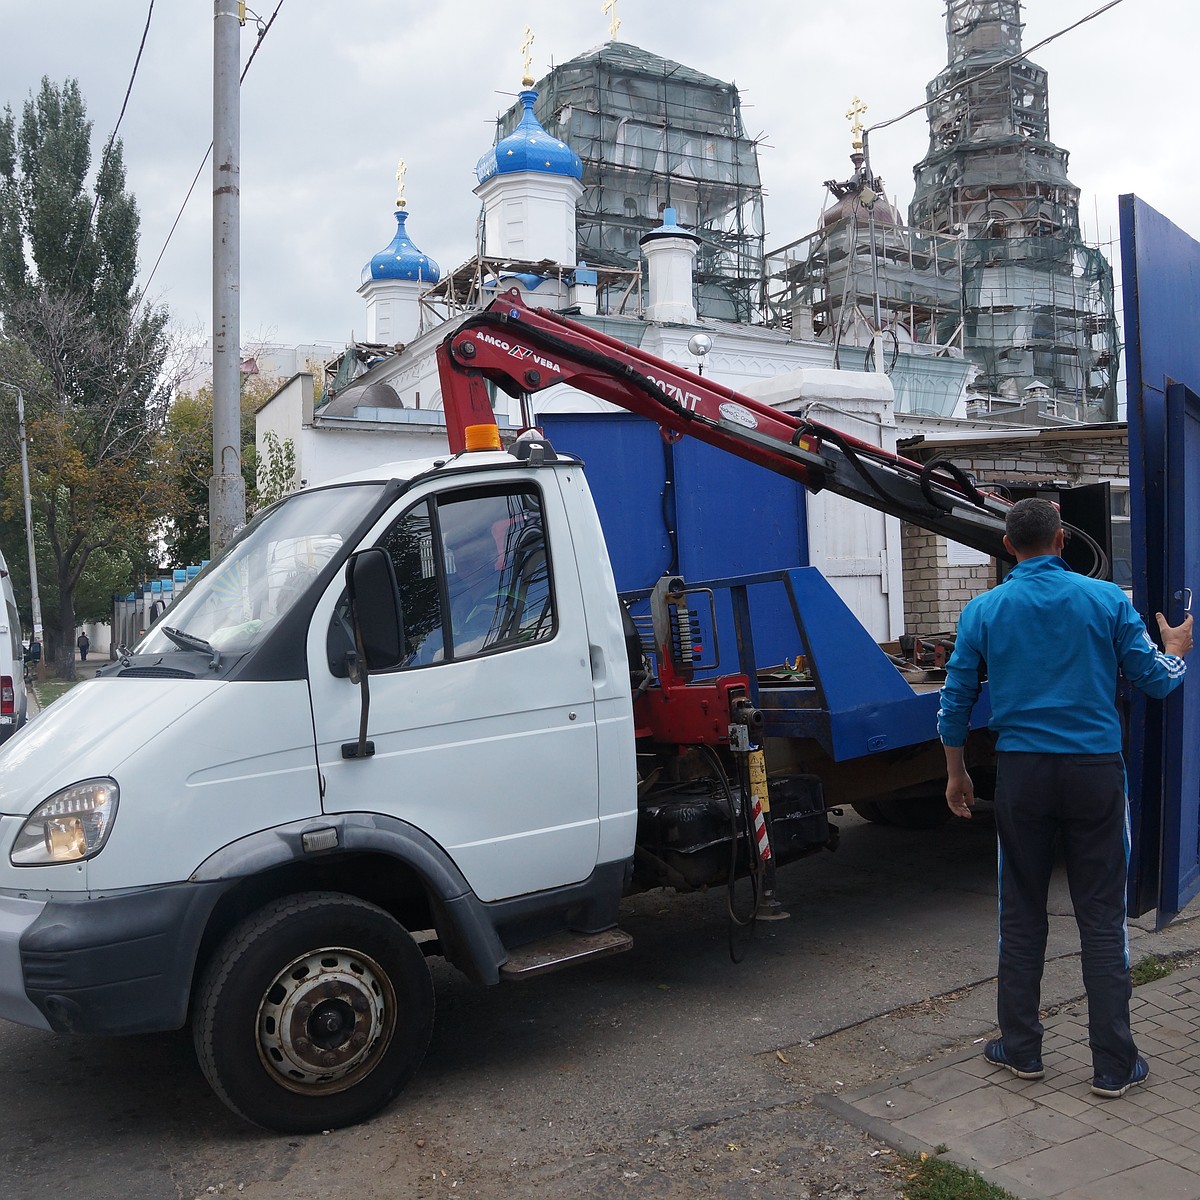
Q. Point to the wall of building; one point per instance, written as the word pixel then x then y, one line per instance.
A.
pixel 936 589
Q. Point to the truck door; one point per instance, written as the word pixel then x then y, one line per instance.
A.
pixel 1160 266
pixel 485 737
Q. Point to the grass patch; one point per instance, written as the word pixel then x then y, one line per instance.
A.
pixel 928 1178
pixel 1150 968
pixel 49 690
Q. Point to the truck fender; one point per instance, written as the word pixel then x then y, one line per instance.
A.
pixel 468 938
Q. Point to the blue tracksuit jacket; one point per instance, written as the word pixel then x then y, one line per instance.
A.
pixel 1050 642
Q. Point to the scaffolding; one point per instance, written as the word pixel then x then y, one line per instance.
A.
pixel 1037 301
pixel 862 273
pixel 654 134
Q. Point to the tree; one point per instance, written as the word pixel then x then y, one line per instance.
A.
pixel 185 459
pixel 276 469
pixel 96 402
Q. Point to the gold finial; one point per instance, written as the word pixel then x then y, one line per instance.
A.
pixel 401 171
pixel 609 9
pixel 527 51
pixel 854 115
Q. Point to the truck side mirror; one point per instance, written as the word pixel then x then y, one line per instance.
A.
pixel 375 609
pixel 376 617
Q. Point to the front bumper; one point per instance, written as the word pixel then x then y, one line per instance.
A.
pixel 113 964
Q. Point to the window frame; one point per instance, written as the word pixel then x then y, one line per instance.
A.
pixel 433 503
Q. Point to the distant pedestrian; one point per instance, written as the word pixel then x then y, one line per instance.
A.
pixel 1051 643
pixel 84 644
pixel 33 656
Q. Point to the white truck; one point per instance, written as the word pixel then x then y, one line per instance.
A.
pixel 406 714
pixel 13 700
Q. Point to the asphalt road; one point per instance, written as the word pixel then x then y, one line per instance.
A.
pixel 666 1071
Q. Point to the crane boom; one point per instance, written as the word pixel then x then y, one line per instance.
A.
pixel 524 350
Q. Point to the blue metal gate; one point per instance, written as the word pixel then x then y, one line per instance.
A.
pixel 1161 273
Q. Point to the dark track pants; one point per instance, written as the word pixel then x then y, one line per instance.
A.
pixel 1080 799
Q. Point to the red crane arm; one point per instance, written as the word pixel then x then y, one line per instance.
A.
pixel 524 350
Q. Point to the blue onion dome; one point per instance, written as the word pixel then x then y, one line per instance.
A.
pixel 529 148
pixel 401 259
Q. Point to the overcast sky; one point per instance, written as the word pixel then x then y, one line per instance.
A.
pixel 340 91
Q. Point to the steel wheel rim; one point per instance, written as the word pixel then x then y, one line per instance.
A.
pixel 326 1020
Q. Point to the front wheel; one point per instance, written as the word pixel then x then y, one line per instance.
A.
pixel 314 1013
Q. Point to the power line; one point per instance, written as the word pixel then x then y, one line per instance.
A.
pixel 263 30
pixel 1004 62
pixel 112 138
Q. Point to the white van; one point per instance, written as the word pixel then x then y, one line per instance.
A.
pixel 12 659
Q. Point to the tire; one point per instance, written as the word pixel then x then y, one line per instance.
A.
pixel 929 811
pixel 313 1014
pixel 925 811
pixel 870 810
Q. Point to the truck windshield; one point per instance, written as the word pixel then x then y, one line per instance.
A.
pixel 236 599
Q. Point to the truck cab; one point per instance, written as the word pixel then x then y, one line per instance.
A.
pixel 246 819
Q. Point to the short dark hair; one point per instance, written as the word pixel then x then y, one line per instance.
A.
pixel 1031 524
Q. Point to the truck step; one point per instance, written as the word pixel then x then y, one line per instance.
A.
pixel 563 950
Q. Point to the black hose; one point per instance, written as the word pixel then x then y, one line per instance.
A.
pixel 959 476
pixel 736 954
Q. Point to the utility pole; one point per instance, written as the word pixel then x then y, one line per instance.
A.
pixel 226 488
pixel 36 602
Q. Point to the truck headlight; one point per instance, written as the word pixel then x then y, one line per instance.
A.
pixel 69 827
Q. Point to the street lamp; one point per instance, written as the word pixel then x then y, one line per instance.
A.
pixel 33 579
pixel 699 344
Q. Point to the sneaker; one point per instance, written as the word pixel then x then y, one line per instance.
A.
pixel 995 1053
pixel 1111 1088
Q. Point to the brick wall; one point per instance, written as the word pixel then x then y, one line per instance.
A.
pixel 936 591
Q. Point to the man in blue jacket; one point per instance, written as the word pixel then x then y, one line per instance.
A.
pixel 1050 643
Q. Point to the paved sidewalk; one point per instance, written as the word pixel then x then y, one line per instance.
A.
pixel 1051 1139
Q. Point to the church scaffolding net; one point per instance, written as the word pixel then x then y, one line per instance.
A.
pixel 1039 312
pixel 654 134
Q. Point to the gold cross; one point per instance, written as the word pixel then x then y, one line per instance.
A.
pixel 609 9
pixel 401 171
pixel 854 114
pixel 527 51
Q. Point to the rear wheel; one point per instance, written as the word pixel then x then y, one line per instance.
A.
pixel 869 810
pixel 924 810
pixel 314 1013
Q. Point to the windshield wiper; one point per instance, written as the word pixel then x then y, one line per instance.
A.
pixel 187 641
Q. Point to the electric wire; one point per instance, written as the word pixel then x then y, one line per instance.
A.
pixel 998 66
pixel 112 138
pixel 263 28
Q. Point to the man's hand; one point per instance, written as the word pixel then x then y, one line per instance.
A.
pixel 960 794
pixel 960 791
pixel 1176 639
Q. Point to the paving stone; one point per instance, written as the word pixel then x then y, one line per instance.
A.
pixel 1187 1117
pixel 1152 1102
pixel 1171 1130
pixel 944 1084
pixel 963 1115
pixel 893 1104
pixel 1051 1138
pixel 1160 1180
pixel 1066 1103
pixel 1019 1136
pixel 1143 1139
pixel 1074 1165
pixel 1105 1119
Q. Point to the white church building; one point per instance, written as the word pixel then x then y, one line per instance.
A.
pixel 386 404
